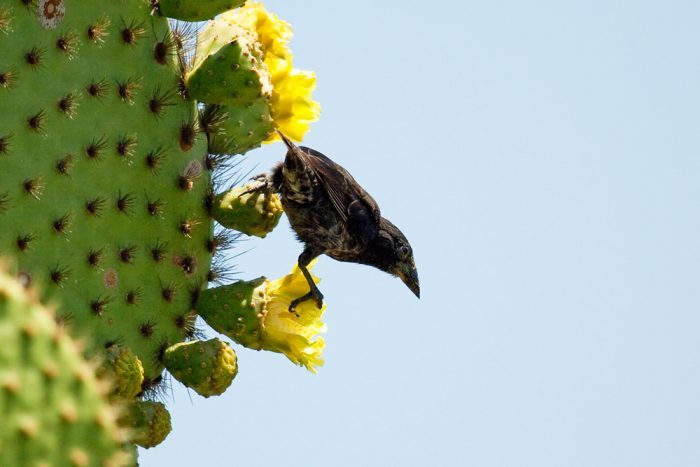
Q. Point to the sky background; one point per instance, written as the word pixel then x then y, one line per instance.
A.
pixel 543 158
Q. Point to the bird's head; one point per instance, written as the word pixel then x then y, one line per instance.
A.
pixel 396 255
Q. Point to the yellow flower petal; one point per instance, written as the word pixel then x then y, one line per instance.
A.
pixel 293 109
pixel 295 335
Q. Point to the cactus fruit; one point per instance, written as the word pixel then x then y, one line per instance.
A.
pixel 124 369
pixel 54 409
pixel 148 423
pixel 108 163
pixel 255 213
pixel 208 367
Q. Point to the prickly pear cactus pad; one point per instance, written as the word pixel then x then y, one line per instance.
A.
pixel 256 314
pixel 148 423
pixel 109 169
pixel 103 185
pixel 253 213
pixel 53 408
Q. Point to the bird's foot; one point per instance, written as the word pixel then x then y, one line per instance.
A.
pixel 260 183
pixel 313 294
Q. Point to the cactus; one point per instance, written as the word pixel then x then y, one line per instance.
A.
pixel 206 366
pixel 124 369
pixel 148 422
pixel 256 315
pixel 243 72
pixel 54 409
pixel 103 178
pixel 108 165
pixel 253 213
pixel 196 11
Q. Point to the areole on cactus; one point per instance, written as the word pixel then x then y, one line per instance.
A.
pixel 111 139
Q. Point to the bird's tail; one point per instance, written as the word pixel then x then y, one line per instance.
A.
pixel 296 174
pixel 287 141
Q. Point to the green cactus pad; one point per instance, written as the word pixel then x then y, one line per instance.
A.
pixel 103 179
pixel 148 422
pixel 238 129
pixel 208 367
pixel 196 10
pixel 233 310
pixel 125 371
pixel 255 213
pixel 230 75
pixel 54 410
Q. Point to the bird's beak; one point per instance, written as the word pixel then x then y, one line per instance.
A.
pixel 410 278
pixel 287 141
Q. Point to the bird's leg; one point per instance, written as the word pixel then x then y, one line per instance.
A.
pixel 304 259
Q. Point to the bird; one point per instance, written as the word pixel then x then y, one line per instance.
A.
pixel 332 214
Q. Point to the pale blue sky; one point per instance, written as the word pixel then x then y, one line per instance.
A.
pixel 543 158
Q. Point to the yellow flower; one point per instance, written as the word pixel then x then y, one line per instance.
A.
pixel 291 105
pixel 293 109
pixel 294 334
pixel 256 315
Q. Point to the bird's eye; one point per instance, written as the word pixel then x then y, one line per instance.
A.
pixel 403 252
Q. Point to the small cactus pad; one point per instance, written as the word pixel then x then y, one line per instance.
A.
pixel 228 75
pixel 54 410
pixel 103 178
pixel 196 10
pixel 256 315
pixel 125 371
pixel 148 422
pixel 208 367
pixel 243 71
pixel 256 213
pixel 236 129
pixel 233 310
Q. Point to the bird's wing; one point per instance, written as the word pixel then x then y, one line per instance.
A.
pixel 354 205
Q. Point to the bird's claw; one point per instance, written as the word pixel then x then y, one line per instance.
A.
pixel 293 305
pixel 314 293
pixel 261 184
pixel 319 299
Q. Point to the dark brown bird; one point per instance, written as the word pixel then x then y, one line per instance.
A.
pixel 333 215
